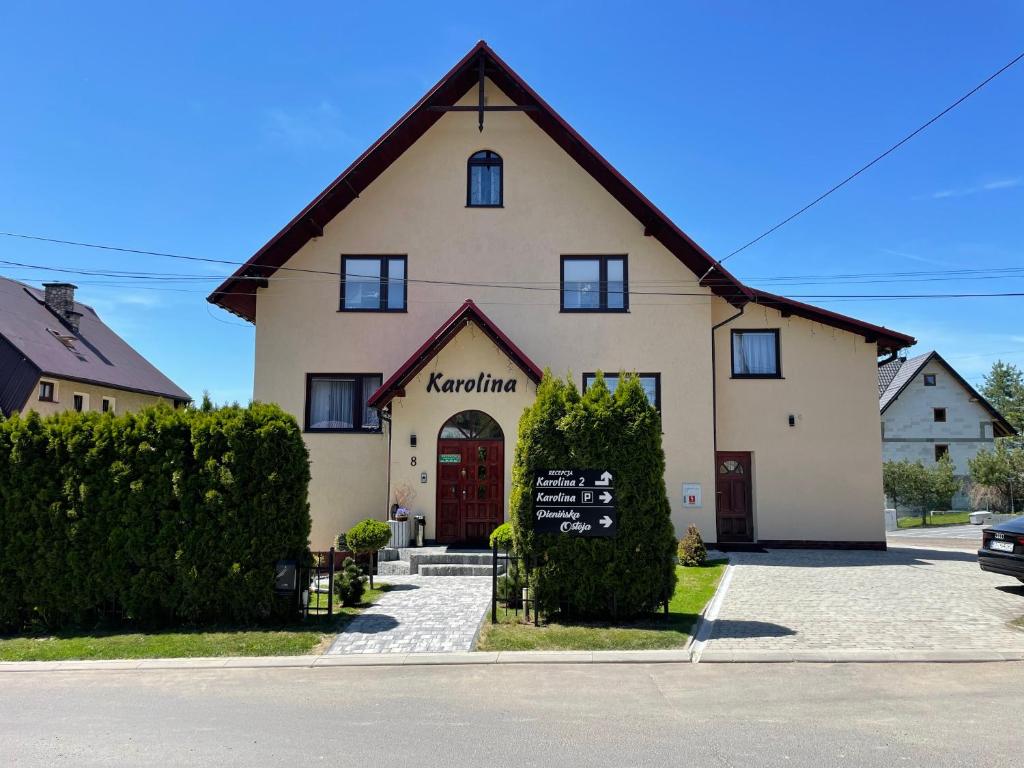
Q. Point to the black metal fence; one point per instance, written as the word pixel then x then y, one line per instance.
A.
pixel 316 585
pixel 514 588
pixel 511 591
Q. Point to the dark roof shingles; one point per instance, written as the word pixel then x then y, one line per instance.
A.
pixel 96 354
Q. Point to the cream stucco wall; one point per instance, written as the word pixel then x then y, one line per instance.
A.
pixel 821 479
pixel 417 207
pixel 552 208
pixel 423 413
pixel 124 401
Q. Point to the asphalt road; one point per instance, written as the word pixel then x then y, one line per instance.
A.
pixel 519 715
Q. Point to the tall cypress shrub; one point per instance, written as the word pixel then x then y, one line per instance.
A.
pixel 161 516
pixel 621 432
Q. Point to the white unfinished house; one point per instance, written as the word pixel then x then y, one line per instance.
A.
pixel 928 410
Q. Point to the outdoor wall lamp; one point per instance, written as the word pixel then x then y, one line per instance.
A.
pixel 412 441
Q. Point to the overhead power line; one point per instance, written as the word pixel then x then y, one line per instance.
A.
pixel 887 152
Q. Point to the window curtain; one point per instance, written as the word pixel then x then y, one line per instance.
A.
pixel 331 403
pixel 485 184
pixel 753 354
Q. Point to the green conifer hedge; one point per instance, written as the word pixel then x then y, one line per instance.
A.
pixel 621 432
pixel 163 516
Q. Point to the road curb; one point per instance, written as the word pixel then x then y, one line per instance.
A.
pixel 683 656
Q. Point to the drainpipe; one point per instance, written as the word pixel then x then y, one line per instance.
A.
pixel 714 374
pixel 385 417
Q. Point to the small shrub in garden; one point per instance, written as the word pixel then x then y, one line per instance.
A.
pixel 349 583
pixel 502 537
pixel 366 537
pixel 691 548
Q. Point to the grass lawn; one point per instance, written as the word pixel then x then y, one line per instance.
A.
pixel 694 588
pixel 943 518
pixel 290 640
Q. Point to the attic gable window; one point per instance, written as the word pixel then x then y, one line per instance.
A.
pixel 484 180
pixel 929 379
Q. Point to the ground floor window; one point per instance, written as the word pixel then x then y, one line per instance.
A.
pixel 336 402
pixel 47 391
pixel 651 382
pixel 940 451
pixel 80 402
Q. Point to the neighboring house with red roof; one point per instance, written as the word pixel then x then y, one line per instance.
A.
pixel 929 410
pixel 404 317
pixel 57 355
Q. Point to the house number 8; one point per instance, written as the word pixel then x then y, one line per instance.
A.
pixel 412 462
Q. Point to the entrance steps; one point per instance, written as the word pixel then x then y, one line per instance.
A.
pixel 438 561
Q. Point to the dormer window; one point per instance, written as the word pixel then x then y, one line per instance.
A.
pixel 484 187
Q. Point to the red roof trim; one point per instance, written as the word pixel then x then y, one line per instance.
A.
pixel 238 295
pixel 438 340
pixel 888 341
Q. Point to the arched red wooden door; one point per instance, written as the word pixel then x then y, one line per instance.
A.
pixel 470 479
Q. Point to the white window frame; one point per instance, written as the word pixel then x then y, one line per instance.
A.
pixel 85 401
pixel 113 404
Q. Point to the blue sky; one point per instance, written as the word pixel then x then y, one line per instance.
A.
pixel 202 130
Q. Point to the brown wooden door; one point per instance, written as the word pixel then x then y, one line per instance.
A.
pixel 470 490
pixel 732 496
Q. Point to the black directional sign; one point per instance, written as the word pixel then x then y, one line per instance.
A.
pixel 575 502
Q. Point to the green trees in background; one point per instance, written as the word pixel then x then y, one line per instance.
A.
pixel 161 516
pixel 914 485
pixel 620 432
pixel 997 476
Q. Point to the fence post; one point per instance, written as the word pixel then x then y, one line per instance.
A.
pixel 494 583
pixel 330 582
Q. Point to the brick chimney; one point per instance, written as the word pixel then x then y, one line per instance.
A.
pixel 60 298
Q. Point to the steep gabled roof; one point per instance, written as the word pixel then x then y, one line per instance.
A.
pixel 238 293
pixel 38 343
pixel 899 373
pixel 467 313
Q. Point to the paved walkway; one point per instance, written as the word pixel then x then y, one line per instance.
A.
pixel 901 600
pixel 969 533
pixel 420 614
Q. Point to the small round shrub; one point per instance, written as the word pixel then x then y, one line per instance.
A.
pixel 502 537
pixel 349 583
pixel 691 548
pixel 368 536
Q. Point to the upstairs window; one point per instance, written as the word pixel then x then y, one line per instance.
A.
pixel 47 392
pixel 755 355
pixel 939 414
pixel 373 284
pixel 929 379
pixel 336 402
pixel 484 186
pixel 594 284
pixel 651 382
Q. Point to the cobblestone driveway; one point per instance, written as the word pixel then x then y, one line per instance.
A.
pixel 903 599
pixel 420 614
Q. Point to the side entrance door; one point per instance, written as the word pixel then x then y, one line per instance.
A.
pixel 732 496
pixel 470 490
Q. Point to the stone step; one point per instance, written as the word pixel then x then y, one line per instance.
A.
pixel 393 568
pixel 449 569
pixel 419 560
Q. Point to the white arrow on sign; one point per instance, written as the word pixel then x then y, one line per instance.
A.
pixel 606 478
pixel 606 521
pixel 605 497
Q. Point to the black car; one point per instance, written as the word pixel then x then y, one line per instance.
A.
pixel 1002 548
